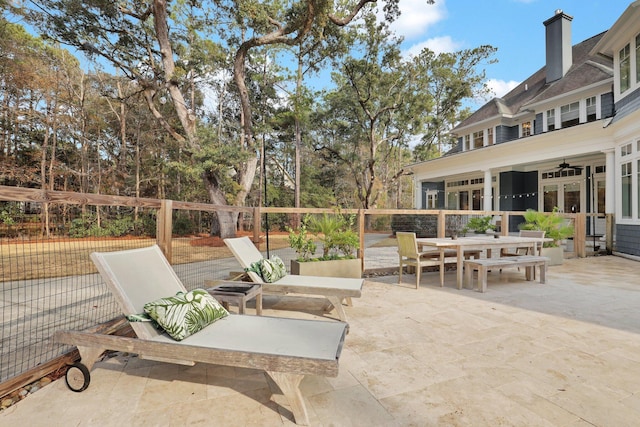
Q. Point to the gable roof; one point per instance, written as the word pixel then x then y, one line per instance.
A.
pixel 587 69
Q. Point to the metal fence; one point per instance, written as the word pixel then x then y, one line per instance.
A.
pixel 49 283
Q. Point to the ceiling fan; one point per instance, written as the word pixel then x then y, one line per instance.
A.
pixel 564 165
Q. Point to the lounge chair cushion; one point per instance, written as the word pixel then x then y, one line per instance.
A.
pixel 271 270
pixel 184 314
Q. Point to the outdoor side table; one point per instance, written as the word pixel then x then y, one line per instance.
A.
pixel 237 293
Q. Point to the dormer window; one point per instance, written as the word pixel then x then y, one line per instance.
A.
pixel 625 68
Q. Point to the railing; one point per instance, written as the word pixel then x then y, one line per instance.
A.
pixel 49 283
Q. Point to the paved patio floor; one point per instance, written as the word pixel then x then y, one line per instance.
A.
pixel 522 354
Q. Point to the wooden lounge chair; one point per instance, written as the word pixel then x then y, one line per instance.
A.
pixel 335 289
pixel 287 349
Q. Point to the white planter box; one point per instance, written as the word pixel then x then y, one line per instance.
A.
pixel 555 254
pixel 351 268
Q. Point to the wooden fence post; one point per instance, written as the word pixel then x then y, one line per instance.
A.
pixel 361 234
pixel 256 224
pixel 442 224
pixel 164 227
pixel 504 224
pixel 579 235
pixel 609 230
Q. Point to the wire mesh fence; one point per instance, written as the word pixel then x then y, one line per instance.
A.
pixel 48 282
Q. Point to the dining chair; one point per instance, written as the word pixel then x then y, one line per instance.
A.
pixel 410 256
pixel 525 250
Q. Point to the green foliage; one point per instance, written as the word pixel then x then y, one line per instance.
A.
pixel 301 242
pixel 336 233
pixel 555 226
pixel 9 212
pixel 87 226
pixel 183 224
pixel 479 224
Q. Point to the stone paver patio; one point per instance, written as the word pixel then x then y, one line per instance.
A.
pixel 523 354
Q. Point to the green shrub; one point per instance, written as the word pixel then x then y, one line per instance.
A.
pixel 184 225
pixel 552 223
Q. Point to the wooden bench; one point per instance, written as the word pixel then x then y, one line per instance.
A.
pixel 529 262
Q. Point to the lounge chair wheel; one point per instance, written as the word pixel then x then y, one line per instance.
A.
pixel 77 377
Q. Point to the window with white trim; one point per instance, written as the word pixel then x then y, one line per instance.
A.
pixel 490 136
pixel 625 172
pixel 467 142
pixel 551 119
pixel 526 129
pixel 625 68
pixel 478 139
pixel 570 114
pixel 591 109
pixel 626 150
pixel 432 200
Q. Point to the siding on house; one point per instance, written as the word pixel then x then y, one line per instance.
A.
pixel 628 239
pixel 433 186
pixel 537 124
pixel 518 183
pixel 628 105
pixel 606 105
pixel 506 133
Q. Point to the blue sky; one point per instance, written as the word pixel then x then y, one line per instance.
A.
pixel 515 27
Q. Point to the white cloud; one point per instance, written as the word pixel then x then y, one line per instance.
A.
pixel 501 87
pixel 416 17
pixel 436 44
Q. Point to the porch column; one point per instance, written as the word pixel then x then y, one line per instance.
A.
pixel 610 177
pixel 488 199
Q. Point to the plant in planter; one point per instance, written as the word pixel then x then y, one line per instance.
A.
pixel 302 243
pixel 339 244
pixel 479 224
pixel 555 226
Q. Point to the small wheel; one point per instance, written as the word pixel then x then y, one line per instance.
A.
pixel 77 377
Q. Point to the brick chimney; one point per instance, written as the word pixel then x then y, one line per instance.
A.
pixel 558 43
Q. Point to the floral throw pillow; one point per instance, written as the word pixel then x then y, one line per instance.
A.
pixel 185 314
pixel 270 270
pixel 273 269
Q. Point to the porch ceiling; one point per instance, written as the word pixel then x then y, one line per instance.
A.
pixel 547 148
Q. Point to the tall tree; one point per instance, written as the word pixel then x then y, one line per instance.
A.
pixel 383 102
pixel 138 38
pixel 379 102
pixel 452 78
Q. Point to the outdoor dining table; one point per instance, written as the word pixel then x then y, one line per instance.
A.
pixel 484 243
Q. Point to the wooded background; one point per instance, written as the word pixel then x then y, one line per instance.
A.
pixel 224 102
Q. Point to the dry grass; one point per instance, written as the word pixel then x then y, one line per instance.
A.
pixel 37 259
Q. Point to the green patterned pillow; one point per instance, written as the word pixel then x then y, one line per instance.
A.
pixel 273 269
pixel 185 314
pixel 255 268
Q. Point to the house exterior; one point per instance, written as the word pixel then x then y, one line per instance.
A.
pixel 567 137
